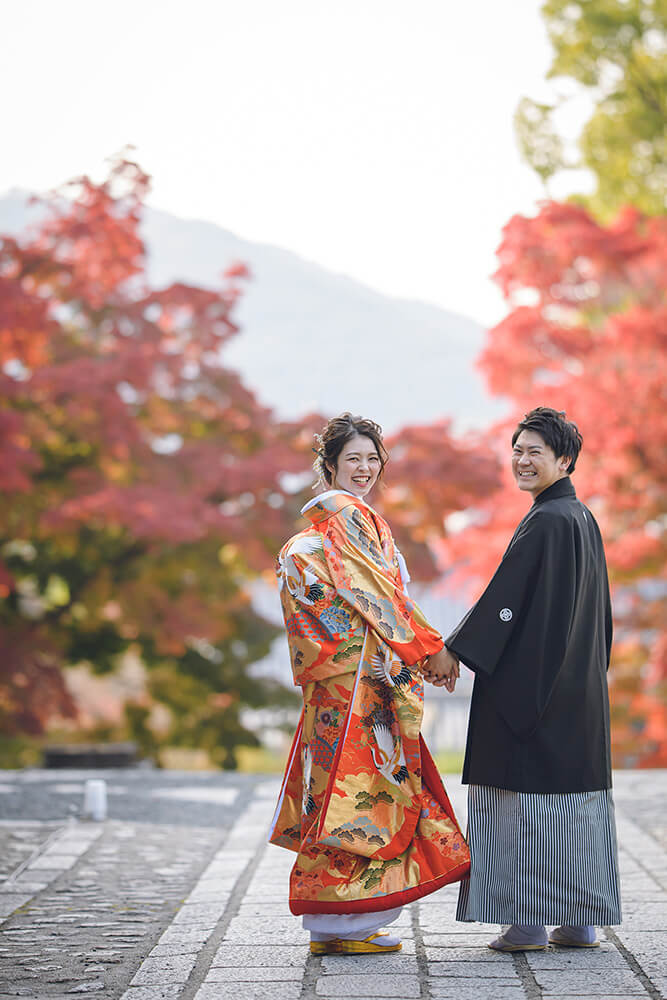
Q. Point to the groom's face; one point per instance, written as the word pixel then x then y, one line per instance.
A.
pixel 534 464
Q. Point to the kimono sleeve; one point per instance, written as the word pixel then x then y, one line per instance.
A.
pixel 365 580
pixel 516 636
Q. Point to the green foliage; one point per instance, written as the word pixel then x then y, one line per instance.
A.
pixel 616 50
pixel 538 142
pixel 19 751
pixel 139 730
pixel 207 688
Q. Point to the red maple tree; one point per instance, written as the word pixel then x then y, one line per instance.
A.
pixel 587 333
pixel 142 482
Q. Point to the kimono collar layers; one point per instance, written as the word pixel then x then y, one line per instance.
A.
pixel 323 506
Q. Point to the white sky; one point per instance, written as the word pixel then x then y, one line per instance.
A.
pixel 372 136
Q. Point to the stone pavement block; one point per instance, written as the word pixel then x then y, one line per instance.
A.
pixel 9 902
pixel 225 875
pixel 607 984
pixel 219 899
pixel 439 926
pixel 257 909
pixel 255 975
pixel 253 991
pixel 226 863
pixel 177 934
pixel 395 961
pixel 455 954
pixel 53 862
pixel 571 959
pixel 649 948
pixel 70 845
pixel 490 989
pixel 198 913
pixel 275 898
pixel 174 949
pixel 262 934
pixel 483 970
pixel 218 881
pixel 160 970
pixel 229 955
pixel 396 985
pixel 167 992
pixel 468 940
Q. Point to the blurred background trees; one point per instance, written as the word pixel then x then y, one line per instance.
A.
pixel 586 332
pixel 144 490
pixel 141 481
pixel 611 54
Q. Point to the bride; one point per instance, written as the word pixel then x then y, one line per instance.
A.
pixel 361 803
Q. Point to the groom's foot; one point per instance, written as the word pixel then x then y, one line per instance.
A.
pixel 574 937
pixel 521 937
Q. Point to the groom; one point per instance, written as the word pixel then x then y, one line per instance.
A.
pixel 541 826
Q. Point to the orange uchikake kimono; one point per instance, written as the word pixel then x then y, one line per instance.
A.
pixel 361 802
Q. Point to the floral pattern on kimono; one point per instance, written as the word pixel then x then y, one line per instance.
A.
pixel 361 803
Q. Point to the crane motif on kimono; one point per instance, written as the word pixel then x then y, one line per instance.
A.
pixel 308 802
pixel 388 756
pixel 302 583
pixel 382 665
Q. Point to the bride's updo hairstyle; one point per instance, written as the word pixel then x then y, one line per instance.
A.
pixel 335 435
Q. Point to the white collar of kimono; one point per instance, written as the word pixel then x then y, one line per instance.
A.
pixel 330 493
pixel 405 574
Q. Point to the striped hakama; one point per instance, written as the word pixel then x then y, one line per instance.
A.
pixel 541 859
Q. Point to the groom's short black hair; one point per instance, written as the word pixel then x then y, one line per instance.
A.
pixel 560 434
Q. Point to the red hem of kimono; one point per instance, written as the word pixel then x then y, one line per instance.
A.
pixel 375 904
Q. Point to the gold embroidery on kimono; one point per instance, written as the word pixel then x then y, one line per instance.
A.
pixel 362 803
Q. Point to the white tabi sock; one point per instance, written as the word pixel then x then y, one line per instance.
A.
pixel 525 934
pixel 582 935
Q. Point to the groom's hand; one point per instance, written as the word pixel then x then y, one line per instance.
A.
pixel 442 669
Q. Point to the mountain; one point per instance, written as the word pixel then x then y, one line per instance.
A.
pixel 314 340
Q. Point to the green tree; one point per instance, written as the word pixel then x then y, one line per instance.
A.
pixel 616 50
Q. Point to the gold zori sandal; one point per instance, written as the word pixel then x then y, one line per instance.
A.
pixel 343 946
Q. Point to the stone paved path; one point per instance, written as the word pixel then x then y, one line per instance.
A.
pixel 177 895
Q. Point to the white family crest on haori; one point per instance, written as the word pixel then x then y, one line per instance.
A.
pixel 505 615
pixel 382 664
pixel 388 756
pixel 304 585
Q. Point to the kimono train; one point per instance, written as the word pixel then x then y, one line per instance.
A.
pixel 361 804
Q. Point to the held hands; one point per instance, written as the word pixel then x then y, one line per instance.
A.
pixel 442 669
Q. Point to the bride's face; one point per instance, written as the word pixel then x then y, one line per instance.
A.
pixel 358 466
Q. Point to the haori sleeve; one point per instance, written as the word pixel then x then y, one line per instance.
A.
pixel 516 635
pixel 481 637
pixel 365 580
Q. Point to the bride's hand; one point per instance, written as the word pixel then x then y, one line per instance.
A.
pixel 442 670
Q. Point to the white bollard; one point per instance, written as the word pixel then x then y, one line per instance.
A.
pixel 95 799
